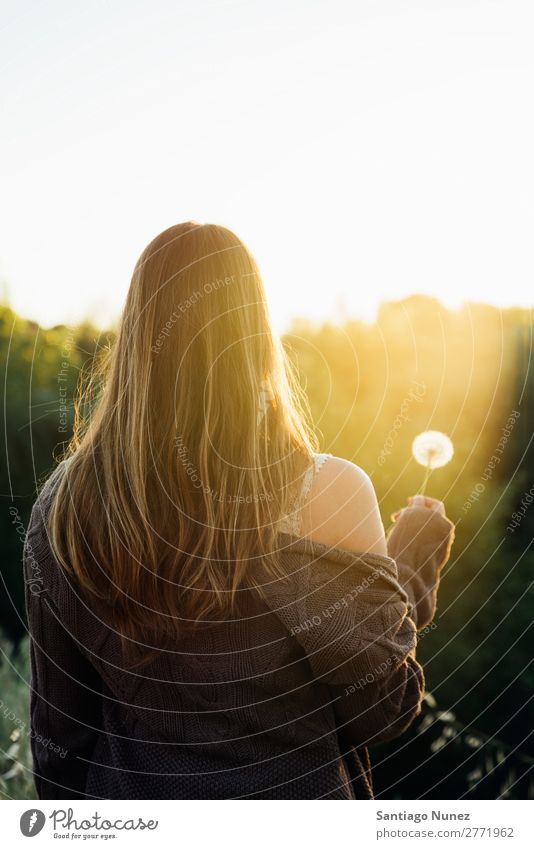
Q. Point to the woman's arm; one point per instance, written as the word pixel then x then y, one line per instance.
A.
pixel 420 543
pixel 65 701
pixel 342 509
pixel 365 650
pixel 351 617
pixel 382 706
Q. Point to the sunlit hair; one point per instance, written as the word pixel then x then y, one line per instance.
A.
pixel 176 480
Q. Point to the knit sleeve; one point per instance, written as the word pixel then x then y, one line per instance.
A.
pixel 381 704
pixel 347 611
pixel 420 543
pixel 379 707
pixel 65 700
pixel 351 617
pixel 382 690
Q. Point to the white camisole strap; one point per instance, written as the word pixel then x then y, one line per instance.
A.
pixel 292 524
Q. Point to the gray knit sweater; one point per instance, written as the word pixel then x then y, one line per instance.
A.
pixel 281 702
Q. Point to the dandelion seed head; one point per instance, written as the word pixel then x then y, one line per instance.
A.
pixel 432 449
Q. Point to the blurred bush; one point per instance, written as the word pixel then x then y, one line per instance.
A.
pixel 16 776
pixel 439 758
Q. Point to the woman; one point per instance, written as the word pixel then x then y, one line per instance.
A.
pixel 214 609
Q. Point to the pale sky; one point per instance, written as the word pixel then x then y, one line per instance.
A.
pixel 364 150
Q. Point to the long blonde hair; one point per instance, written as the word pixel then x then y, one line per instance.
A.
pixel 178 479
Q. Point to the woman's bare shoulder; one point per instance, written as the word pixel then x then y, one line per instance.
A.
pixel 342 509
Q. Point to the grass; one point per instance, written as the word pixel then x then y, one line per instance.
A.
pixel 16 773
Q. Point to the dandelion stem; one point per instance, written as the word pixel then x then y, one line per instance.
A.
pixel 427 474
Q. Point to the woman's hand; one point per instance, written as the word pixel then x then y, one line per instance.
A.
pixel 420 542
pixel 421 501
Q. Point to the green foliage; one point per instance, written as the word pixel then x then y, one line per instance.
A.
pixel 16 776
pixel 41 370
pixel 439 758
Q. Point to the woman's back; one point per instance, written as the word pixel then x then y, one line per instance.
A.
pixel 205 595
pixel 238 708
pixel 235 705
